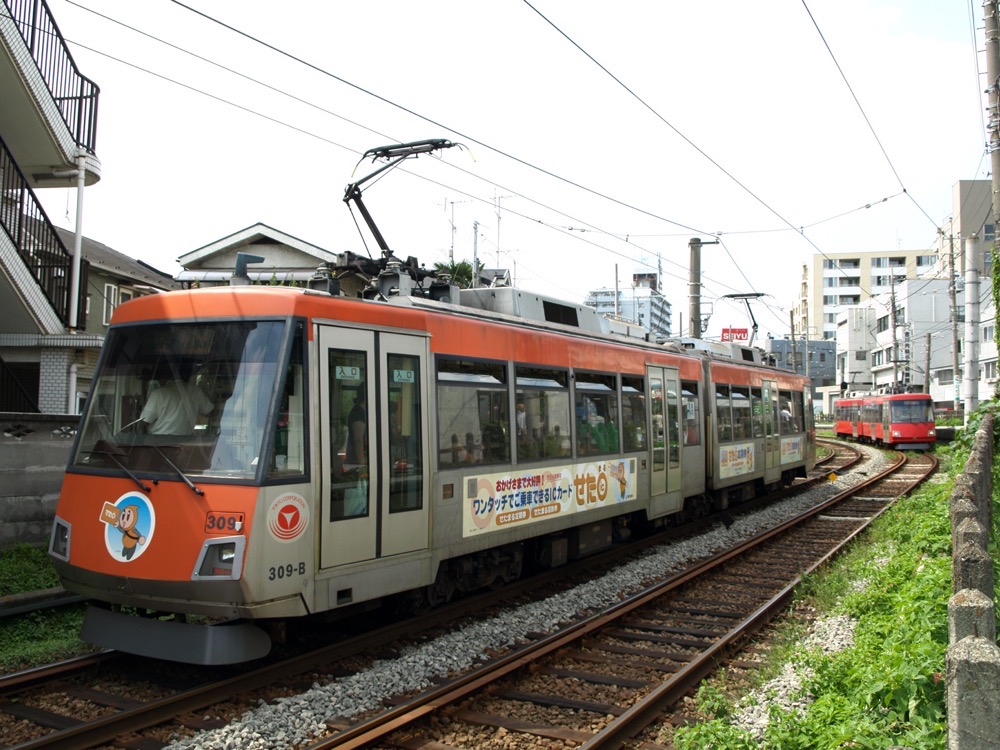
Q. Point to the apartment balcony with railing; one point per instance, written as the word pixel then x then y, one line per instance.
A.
pixel 49 117
pixel 48 127
pixel 39 247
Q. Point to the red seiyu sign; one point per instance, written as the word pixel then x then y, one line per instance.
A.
pixel 735 334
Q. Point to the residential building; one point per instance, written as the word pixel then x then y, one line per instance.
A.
pixel 641 304
pixel 916 344
pixel 837 281
pixel 48 125
pixel 285 259
pixel 58 289
pixel 815 358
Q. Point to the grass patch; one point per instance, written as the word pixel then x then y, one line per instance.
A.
pixel 37 638
pixel 41 638
pixel 888 689
pixel 24 568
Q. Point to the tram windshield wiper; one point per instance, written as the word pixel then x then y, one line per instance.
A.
pixel 177 470
pixel 111 454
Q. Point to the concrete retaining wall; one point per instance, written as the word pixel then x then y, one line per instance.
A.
pixel 973 659
pixel 34 450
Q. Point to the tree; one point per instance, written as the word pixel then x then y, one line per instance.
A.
pixel 460 272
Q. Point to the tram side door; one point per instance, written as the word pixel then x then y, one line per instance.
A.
pixel 666 495
pixel 373 421
pixel 772 440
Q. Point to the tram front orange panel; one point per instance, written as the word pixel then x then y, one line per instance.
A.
pixel 119 529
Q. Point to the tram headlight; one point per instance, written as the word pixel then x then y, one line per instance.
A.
pixel 221 558
pixel 897 433
pixel 931 432
pixel 59 542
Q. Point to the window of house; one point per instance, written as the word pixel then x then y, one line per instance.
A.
pixel 110 302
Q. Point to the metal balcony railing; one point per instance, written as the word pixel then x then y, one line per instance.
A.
pixel 38 244
pixel 75 94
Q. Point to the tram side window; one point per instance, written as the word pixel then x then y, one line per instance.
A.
pixel 724 414
pixel 634 429
pixel 691 413
pixel 543 416
pixel 472 420
pixel 289 455
pixel 757 407
pixel 349 434
pixel 596 414
pixel 740 400
pixel 791 412
pixel 405 433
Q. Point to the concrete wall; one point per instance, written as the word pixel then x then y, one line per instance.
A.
pixel 973 658
pixel 34 450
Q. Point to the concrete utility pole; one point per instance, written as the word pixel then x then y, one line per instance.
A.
pixel 694 285
pixel 475 255
pixel 993 80
pixel 892 322
pixel 971 326
pixel 806 336
pixel 791 324
pixel 927 365
pixel 954 324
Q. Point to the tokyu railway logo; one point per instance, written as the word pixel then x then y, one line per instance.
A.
pixel 288 517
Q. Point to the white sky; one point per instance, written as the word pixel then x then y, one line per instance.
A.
pixel 190 160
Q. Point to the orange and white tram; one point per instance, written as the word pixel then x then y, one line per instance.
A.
pixel 356 449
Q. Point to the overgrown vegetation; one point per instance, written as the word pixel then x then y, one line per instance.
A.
pixel 40 637
pixel 888 688
pixel 24 568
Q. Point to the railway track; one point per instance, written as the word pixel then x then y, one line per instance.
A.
pixel 88 714
pixel 603 682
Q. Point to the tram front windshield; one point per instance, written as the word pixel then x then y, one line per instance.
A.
pixel 198 398
pixel 911 411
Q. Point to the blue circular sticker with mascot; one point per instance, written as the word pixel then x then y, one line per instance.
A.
pixel 129 525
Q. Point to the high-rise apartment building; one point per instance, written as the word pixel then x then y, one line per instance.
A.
pixel 837 281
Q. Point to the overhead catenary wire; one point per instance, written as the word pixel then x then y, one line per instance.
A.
pixel 525 215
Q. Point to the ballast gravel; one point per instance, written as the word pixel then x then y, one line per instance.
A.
pixel 830 635
pixel 298 719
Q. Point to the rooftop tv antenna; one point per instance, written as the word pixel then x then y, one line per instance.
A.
pixel 393 154
pixel 746 297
